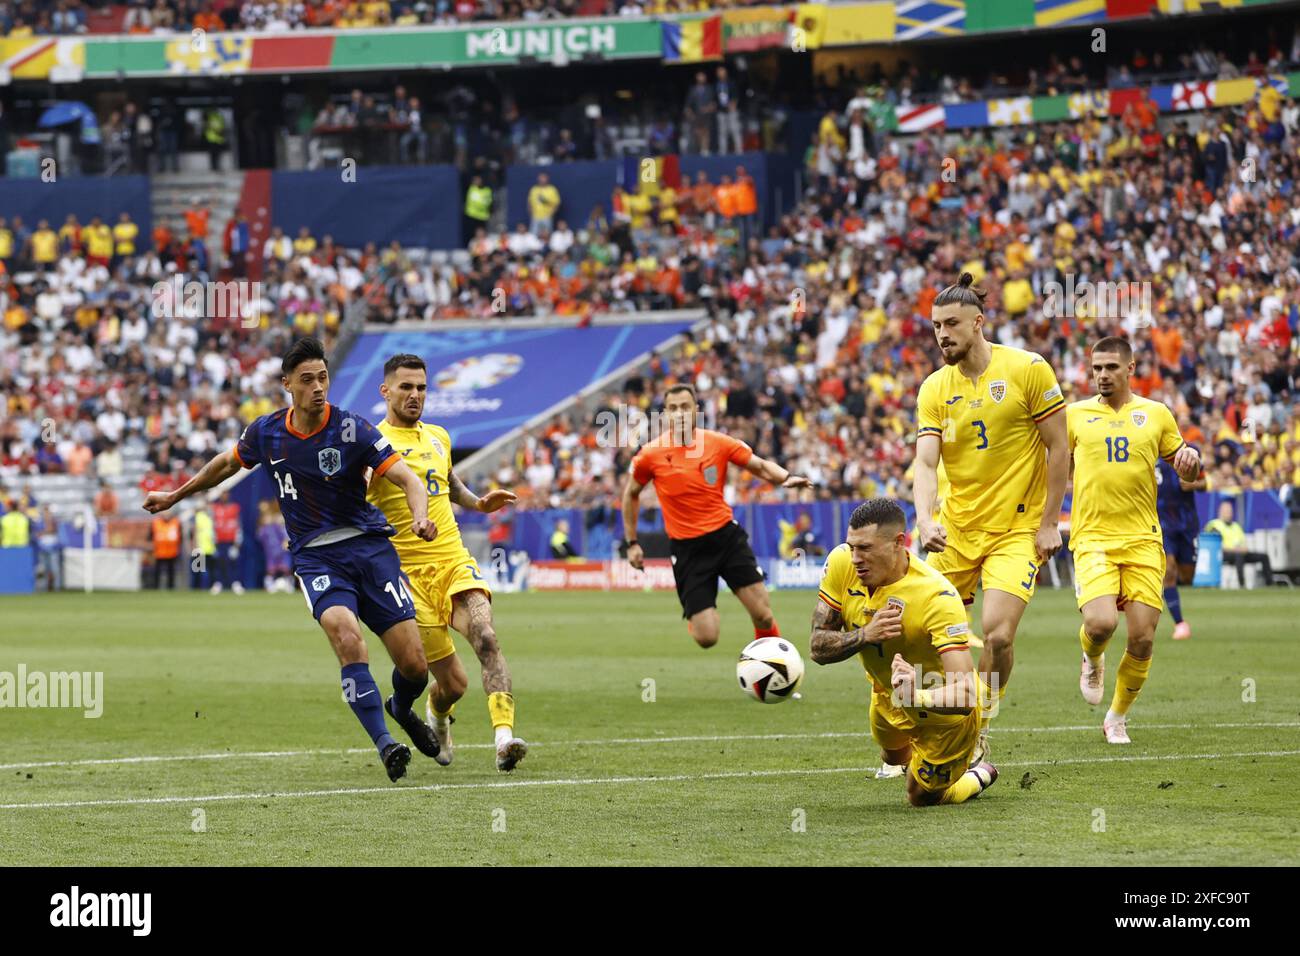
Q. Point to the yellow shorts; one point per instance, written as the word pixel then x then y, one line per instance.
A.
pixel 941 744
pixel 996 560
pixel 433 586
pixel 1134 572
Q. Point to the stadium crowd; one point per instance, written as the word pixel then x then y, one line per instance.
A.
pixel 818 339
pixel 24 18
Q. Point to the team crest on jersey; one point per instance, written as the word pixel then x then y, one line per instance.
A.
pixel 898 603
pixel 998 390
pixel 437 446
pixel 1139 419
pixel 329 460
pixel 711 475
pixel 320 583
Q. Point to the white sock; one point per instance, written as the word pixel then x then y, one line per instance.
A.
pixel 1112 717
pixel 504 735
pixel 440 721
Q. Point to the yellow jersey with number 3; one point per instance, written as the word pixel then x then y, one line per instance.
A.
pixel 1116 454
pixel 995 459
pixel 426 449
pixel 934 619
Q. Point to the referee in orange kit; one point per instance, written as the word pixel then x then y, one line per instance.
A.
pixel 689 468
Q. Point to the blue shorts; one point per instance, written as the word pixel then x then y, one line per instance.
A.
pixel 1182 544
pixel 361 574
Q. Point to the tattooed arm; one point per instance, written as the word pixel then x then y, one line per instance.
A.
pixel 460 495
pixel 831 643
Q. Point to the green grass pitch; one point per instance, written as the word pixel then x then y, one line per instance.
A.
pixel 264 764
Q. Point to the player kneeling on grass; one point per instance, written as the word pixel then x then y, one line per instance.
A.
pixel 445 578
pixel 1117 438
pixel 317 454
pixel 908 626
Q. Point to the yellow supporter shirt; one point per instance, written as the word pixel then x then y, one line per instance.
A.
pixel 934 620
pixel 1116 454
pixel 991 448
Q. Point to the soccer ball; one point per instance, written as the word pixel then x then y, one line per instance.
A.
pixel 769 669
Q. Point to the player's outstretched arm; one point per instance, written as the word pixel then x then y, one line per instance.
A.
pixel 771 471
pixel 210 475
pixel 631 511
pixel 417 499
pixel 1056 437
pixel 490 502
pixel 925 492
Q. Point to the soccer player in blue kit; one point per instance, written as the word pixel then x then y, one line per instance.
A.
pixel 317 455
pixel 1181 528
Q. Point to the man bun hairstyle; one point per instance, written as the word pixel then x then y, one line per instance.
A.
pixel 965 292
pixel 303 350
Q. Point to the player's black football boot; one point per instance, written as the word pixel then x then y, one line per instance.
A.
pixel 395 757
pixel 421 734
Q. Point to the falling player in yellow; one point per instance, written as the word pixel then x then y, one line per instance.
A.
pixel 908 626
pixel 445 580
pixel 1117 439
pixel 990 415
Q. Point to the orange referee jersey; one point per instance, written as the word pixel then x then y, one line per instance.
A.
pixel 689 479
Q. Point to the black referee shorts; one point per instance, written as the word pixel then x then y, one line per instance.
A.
pixel 699 562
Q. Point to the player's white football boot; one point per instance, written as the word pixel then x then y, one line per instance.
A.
pixel 1092 680
pixel 986 774
pixel 509 753
pixel 1182 631
pixel 1115 729
pixel 441 730
pixel 889 771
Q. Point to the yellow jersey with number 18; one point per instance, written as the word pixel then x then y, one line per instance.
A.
pixel 995 459
pixel 426 449
pixel 1116 454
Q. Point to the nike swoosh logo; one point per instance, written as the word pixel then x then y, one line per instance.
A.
pixel 276 461
pixel 1091 420
pixel 366 694
pixel 947 594
pixel 954 400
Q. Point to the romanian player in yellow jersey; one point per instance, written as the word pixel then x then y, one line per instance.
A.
pixel 907 625
pixel 445 579
pixel 991 416
pixel 1117 439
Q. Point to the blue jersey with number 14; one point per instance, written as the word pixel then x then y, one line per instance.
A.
pixel 319 477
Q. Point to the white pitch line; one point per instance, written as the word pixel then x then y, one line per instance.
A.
pixel 590 781
pixel 828 735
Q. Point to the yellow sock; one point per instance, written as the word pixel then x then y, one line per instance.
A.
pixel 501 708
pixel 1128 683
pixel 988 706
pixel 1091 649
pixel 967 786
pixel 441 714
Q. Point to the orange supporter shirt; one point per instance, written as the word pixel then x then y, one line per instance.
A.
pixel 689 479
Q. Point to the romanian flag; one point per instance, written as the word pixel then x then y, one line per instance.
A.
pixel 649 174
pixel 692 41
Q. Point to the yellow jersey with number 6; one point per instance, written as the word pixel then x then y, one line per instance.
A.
pixel 426 449
pixel 1116 454
pixel 994 457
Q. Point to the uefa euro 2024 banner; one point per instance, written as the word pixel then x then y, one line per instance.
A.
pixel 485 382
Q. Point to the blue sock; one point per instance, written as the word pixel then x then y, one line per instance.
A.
pixel 406 691
pixel 1175 604
pixel 362 695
